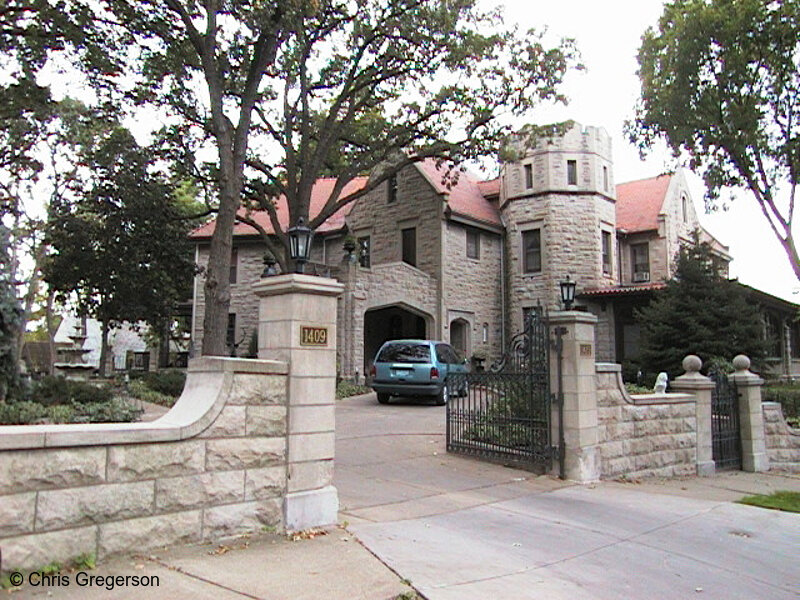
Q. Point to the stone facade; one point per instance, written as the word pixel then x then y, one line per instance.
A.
pixel 571 218
pixel 215 466
pixel 646 437
pixel 563 187
pixel 782 441
pixel 249 266
pixel 471 287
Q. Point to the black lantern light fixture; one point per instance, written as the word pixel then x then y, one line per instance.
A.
pixel 300 244
pixel 567 292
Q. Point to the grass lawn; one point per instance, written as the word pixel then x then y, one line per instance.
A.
pixel 788 501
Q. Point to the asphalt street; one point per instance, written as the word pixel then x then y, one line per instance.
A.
pixel 458 528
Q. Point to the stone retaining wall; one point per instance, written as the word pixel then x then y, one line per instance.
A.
pixel 783 442
pixel 212 467
pixel 643 436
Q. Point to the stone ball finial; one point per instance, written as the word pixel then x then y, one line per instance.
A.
pixel 741 363
pixel 692 363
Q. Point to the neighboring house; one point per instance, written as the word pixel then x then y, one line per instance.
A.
pixel 463 261
pixel 127 349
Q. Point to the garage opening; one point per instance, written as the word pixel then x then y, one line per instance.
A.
pixel 390 323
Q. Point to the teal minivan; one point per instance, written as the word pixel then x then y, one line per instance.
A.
pixel 416 368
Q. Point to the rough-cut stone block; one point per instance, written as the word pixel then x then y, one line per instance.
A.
pixel 244 453
pixel 229 423
pixel 258 389
pixel 30 552
pixel 149 532
pixel 266 420
pixel 16 513
pixel 59 509
pixel 25 470
pixel 150 461
pixel 265 483
pixel 195 491
pixel 237 519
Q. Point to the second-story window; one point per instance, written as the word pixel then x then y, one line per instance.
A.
pixel 572 172
pixel 640 259
pixel 532 251
pixel 605 178
pixel 684 209
pixel 606 241
pixel 528 176
pixel 391 190
pixel 363 252
pixel 473 243
pixel 409 237
pixel 234 265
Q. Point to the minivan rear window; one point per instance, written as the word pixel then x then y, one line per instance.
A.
pixel 405 352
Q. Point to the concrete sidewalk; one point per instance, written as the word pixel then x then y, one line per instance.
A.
pixel 334 566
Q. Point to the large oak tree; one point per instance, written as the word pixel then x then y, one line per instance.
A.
pixel 284 92
pixel 720 82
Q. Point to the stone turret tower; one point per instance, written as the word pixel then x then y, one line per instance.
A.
pixel 557 200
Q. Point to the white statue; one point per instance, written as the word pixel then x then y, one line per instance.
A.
pixel 661 383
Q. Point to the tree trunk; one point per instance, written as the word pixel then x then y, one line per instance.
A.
pixel 163 350
pixel 217 285
pixel 103 348
pixel 51 332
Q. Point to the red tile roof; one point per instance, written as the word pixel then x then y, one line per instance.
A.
pixel 640 202
pixel 465 197
pixel 490 188
pixel 319 196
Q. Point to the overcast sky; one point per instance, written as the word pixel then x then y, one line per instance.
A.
pixel 608 36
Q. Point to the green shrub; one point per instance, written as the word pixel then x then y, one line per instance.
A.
pixel 21 412
pixel 169 382
pixel 139 389
pixel 788 395
pixel 60 413
pixel 633 388
pixel 345 389
pixel 116 410
pixel 53 390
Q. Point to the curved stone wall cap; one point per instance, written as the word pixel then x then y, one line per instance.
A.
pixel 203 398
pixel 297 283
pixel 239 365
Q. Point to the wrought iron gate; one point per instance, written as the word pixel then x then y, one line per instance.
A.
pixel 504 413
pixel 725 432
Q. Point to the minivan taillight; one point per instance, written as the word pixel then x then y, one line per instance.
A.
pixel 373 371
pixel 434 373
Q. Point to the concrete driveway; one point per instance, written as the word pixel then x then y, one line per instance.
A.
pixel 461 529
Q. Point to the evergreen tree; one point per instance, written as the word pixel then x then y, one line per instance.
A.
pixel 9 321
pixel 700 312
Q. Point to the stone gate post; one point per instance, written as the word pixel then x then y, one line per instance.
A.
pixel 693 382
pixel 581 457
pixel 751 416
pixel 297 324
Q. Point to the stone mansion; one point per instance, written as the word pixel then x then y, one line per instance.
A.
pixel 464 262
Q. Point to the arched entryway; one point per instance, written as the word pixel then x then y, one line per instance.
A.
pixel 459 335
pixel 391 323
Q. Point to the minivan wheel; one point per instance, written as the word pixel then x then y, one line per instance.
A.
pixel 443 396
pixel 383 398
